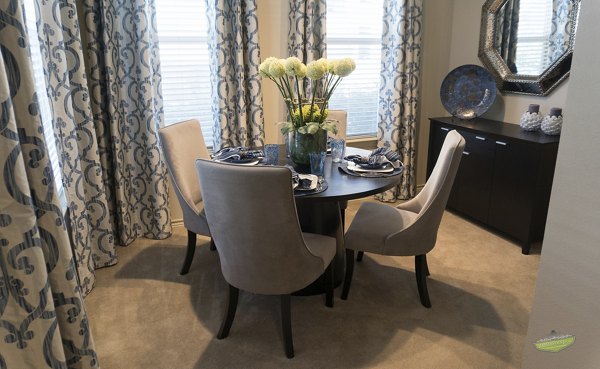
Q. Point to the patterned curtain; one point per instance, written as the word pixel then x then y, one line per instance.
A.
pixel 399 88
pixel 120 50
pixel 507 28
pixel 43 322
pixel 235 80
pixel 306 35
pixel 562 15
pixel 89 215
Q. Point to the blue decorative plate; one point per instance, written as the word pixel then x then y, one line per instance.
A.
pixel 468 91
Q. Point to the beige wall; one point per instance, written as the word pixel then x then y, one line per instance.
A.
pixel 272 33
pixel 437 32
pixel 567 292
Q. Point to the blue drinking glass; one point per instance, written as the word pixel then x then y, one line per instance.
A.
pixel 337 150
pixel 272 154
pixel 317 163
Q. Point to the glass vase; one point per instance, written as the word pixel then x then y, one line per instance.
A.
pixel 303 144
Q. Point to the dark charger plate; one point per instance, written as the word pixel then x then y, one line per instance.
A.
pixel 468 91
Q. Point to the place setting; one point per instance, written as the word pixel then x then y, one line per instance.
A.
pixel 239 155
pixel 381 162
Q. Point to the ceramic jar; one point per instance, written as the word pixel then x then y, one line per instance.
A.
pixel 531 120
pixel 552 123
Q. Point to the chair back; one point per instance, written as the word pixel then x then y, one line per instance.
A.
pixel 183 143
pixel 252 216
pixel 431 201
pixel 342 117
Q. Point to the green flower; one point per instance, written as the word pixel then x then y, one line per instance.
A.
pixel 264 66
pixel 315 70
pixel 293 67
pixel 331 65
pixel 344 67
pixel 277 68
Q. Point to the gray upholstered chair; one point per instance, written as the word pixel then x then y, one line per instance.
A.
pixel 410 229
pixel 342 117
pixel 252 217
pixel 183 143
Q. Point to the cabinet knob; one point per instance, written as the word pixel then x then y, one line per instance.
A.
pixel 466 153
pixel 480 138
pixel 501 143
pixel 445 129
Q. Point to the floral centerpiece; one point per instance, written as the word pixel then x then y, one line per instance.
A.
pixel 306 90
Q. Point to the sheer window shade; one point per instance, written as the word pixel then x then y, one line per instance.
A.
pixel 184 59
pixel 535 27
pixel 354 29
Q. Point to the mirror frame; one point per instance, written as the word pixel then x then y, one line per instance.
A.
pixel 506 80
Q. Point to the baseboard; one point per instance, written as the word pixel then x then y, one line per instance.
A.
pixel 176 222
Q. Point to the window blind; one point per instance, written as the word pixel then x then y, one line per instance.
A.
pixel 183 42
pixel 42 95
pixel 535 26
pixel 354 29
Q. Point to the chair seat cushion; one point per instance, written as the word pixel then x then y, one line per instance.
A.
pixel 372 225
pixel 321 246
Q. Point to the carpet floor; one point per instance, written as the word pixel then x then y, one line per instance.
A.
pixel 143 314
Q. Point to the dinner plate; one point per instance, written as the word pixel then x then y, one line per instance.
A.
pixel 468 91
pixel 314 181
pixel 356 168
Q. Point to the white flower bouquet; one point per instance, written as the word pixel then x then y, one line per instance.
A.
pixel 306 90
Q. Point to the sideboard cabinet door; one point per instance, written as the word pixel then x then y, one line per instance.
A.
pixel 513 186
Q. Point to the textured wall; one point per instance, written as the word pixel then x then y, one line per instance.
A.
pixel 567 291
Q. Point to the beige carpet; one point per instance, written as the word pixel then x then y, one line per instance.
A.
pixel 145 315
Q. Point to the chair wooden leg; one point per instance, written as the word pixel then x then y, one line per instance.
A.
pixel 426 266
pixel 189 255
pixel 349 271
pixel 213 247
pixel 286 326
pixel 232 301
pixel 420 271
pixel 359 256
pixel 328 284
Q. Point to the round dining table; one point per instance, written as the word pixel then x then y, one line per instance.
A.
pixel 323 212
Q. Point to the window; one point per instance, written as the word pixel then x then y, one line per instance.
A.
pixel 354 29
pixel 42 95
pixel 184 59
pixel 533 36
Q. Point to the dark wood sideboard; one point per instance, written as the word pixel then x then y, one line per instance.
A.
pixel 505 175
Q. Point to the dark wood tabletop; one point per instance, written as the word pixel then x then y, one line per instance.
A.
pixel 342 186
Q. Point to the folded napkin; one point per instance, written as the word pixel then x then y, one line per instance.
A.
pixel 376 159
pixel 237 153
pixel 299 182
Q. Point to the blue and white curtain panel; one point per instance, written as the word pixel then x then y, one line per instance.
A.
pixel 307 29
pixel 122 64
pixel 43 322
pixel 235 79
pixel 76 141
pixel 399 89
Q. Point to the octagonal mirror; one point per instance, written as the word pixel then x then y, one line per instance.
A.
pixel 528 44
